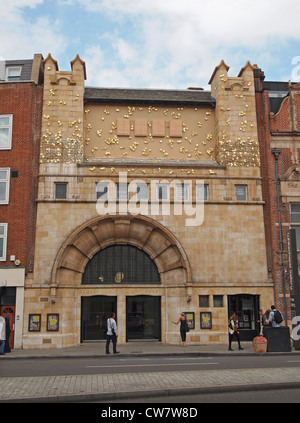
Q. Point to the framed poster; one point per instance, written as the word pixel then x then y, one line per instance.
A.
pixel 52 322
pixel 205 320
pixel 34 323
pixel 190 316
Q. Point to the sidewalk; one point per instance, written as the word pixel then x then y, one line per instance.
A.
pixel 132 385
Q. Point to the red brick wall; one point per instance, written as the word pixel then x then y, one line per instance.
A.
pixel 266 126
pixel 24 102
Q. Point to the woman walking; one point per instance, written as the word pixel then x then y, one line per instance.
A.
pixel 183 327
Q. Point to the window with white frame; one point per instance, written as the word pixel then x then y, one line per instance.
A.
pixel 13 73
pixel 3 241
pixel 5 131
pixel 295 218
pixel 241 192
pixel 202 192
pixel 295 212
pixel 182 192
pixel 163 191
pixel 4 185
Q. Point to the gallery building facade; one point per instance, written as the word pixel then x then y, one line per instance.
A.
pixel 149 204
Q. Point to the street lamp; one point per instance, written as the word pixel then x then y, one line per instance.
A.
pixel 276 153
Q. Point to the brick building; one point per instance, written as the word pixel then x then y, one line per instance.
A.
pixel 156 158
pixel 21 94
pixel 278 117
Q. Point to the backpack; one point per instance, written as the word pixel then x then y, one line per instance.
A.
pixel 104 327
pixel 278 317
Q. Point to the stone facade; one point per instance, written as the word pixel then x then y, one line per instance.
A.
pixel 192 137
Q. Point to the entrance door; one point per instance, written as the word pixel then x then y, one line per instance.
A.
pixel 143 318
pixel 9 311
pixel 94 312
pixel 246 308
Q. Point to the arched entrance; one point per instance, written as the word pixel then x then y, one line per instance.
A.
pixel 142 232
pixel 121 262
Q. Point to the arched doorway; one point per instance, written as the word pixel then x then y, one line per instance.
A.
pixel 157 260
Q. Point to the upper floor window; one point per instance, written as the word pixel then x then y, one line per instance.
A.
pixel 5 131
pixel 162 191
pixel 13 73
pixel 241 193
pixel 182 192
pixel 3 241
pixel 295 212
pixel 4 185
pixel 202 192
pixel 61 190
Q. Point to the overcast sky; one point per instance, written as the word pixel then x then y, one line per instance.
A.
pixel 155 43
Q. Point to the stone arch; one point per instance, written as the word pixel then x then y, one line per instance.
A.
pixel 142 232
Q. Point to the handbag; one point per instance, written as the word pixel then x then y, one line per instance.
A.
pixel 187 328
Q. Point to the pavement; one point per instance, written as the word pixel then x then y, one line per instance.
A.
pixel 105 387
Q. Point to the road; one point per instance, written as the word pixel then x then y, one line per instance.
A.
pixel 115 364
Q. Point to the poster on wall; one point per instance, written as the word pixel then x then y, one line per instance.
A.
pixel 205 320
pixel 34 323
pixel 52 322
pixel 190 316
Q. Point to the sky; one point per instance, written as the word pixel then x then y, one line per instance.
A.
pixel 167 44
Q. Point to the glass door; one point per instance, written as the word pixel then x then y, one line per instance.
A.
pixel 94 312
pixel 143 318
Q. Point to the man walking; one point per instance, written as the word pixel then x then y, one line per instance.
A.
pixel 275 317
pixel 111 334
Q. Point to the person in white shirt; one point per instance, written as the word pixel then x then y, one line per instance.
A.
pixel 111 334
pixel 2 335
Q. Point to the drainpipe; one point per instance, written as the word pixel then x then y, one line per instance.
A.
pixel 276 153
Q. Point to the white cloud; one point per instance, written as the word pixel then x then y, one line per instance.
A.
pixel 22 37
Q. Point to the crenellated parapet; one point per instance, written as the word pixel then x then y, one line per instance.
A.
pixel 237 139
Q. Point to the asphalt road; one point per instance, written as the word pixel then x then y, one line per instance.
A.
pixel 116 364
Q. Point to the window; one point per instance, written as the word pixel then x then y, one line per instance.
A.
pixel 218 300
pixel 295 213
pixel 5 132
pixel 4 185
pixel 121 264
pixel 201 192
pixel 297 229
pixel 102 190
pixel 13 73
pixel 182 192
pixel 60 190
pixel 142 191
pixel 241 192
pixel 203 300
pixel 122 191
pixel 162 192
pixel 3 241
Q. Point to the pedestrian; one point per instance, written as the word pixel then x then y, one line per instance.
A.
pixel 111 334
pixel 276 318
pixel 2 335
pixel 7 326
pixel 233 331
pixel 184 327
